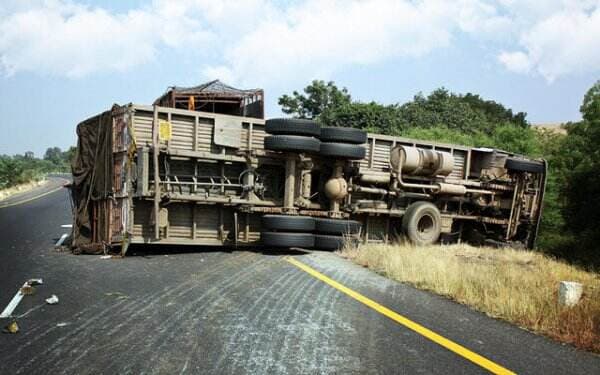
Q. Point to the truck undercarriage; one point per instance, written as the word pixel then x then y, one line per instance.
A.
pixel 163 175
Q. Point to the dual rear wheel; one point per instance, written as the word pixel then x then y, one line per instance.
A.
pixel 306 136
pixel 285 231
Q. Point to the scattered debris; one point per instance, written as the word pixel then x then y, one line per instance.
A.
pixel 61 240
pixel 53 300
pixel 27 290
pixel 67 226
pixel 12 327
pixel 35 282
pixel 62 324
pixel 118 295
pixel 106 257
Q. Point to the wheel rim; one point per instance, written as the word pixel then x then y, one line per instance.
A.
pixel 426 226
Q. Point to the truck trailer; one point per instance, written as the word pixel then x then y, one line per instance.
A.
pixel 210 170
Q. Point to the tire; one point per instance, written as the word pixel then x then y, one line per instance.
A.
pixel 336 226
pixel 421 223
pixel 524 166
pixel 342 151
pixel 288 223
pixel 292 143
pixel 324 242
pixel 292 126
pixel 344 135
pixel 282 239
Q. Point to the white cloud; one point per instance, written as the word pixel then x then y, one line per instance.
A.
pixel 67 39
pixel 563 43
pixel 315 38
pixel 268 41
pixel 518 62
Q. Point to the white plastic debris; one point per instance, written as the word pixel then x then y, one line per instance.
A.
pixel 35 282
pixel 105 256
pixel 569 293
pixel 62 324
pixel 52 300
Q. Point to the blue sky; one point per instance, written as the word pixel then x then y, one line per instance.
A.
pixel 63 61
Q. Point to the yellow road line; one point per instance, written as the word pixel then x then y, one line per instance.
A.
pixel 440 340
pixel 32 198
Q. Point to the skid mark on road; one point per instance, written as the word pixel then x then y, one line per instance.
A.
pixel 264 325
pixel 107 321
pixel 438 339
pixel 172 331
pixel 239 329
pixel 156 333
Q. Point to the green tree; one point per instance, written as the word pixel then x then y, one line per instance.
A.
pixel 318 97
pixel 54 155
pixel 372 117
pixel 582 177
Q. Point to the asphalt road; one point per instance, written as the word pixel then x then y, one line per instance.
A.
pixel 211 311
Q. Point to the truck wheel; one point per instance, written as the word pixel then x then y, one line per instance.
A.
pixel 336 226
pixel 421 223
pixel 288 223
pixel 324 242
pixel 524 166
pixel 292 126
pixel 282 239
pixel 292 143
pixel 344 135
pixel 342 151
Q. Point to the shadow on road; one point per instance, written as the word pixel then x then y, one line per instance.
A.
pixel 151 250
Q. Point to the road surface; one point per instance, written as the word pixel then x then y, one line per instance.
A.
pixel 179 312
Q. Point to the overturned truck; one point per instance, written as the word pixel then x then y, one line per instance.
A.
pixel 166 175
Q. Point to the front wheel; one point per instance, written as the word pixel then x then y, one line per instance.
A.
pixel 421 223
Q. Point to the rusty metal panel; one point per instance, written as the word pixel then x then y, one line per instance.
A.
pixel 121 138
pixel 118 219
pixel 119 173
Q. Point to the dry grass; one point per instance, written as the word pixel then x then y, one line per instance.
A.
pixel 7 193
pixel 515 285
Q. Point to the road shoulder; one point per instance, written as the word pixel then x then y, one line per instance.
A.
pixel 49 186
pixel 499 341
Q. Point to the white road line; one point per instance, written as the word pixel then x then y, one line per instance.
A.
pixel 61 240
pixel 12 305
pixel 67 226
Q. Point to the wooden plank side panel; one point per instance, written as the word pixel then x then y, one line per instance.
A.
pixel 182 128
pixel 142 226
pixel 381 155
pixel 205 134
pixel 207 222
pixel 254 225
pixel 258 136
pixel 142 124
pixel 180 220
pixel 458 172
